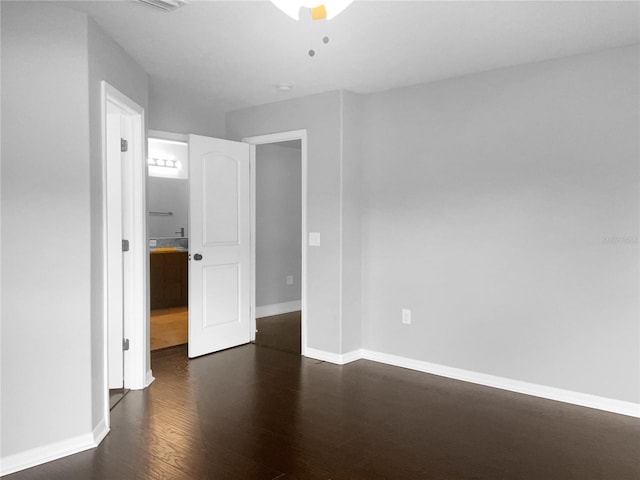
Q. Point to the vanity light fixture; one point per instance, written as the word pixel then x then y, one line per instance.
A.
pixel 161 162
pixel 320 9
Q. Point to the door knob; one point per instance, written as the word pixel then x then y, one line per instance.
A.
pixel 197 257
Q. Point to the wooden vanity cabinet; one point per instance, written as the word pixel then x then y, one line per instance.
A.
pixel 169 279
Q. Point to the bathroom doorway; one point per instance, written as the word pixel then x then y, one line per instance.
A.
pixel 168 230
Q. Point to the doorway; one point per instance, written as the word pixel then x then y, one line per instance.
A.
pixel 278 171
pixel 199 223
pixel 168 229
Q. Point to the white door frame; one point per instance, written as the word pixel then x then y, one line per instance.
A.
pixel 136 309
pixel 162 135
pixel 261 140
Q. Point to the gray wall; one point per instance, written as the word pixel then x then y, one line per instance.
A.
pixel 52 338
pixel 352 203
pixel 320 115
pixel 167 195
pixel 490 204
pixel 278 223
pixel 172 109
pixel 334 161
pixel 109 62
pixel 46 227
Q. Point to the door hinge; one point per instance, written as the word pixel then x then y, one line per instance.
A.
pixel 124 145
pixel 125 245
pixel 125 344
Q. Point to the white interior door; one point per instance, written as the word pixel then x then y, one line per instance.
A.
pixel 219 245
pixel 125 275
pixel 114 249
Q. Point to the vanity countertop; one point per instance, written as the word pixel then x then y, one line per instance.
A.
pixel 168 244
pixel 167 249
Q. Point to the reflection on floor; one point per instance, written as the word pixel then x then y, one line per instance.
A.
pixel 169 327
pixel 281 332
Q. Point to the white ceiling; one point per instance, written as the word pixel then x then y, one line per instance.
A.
pixel 232 54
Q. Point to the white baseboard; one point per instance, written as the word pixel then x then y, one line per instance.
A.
pixel 100 432
pixel 149 378
pixel 47 453
pixel 337 358
pixel 551 393
pixel 351 356
pixel 278 308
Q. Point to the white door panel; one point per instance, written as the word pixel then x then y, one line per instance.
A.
pixel 219 245
pixel 221 223
pixel 221 294
pixel 114 252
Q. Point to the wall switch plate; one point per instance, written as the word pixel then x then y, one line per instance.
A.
pixel 289 279
pixel 406 316
pixel 153 243
pixel 314 239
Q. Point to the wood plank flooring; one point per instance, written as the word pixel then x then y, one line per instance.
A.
pixel 169 327
pixel 115 395
pixel 258 413
pixel 281 332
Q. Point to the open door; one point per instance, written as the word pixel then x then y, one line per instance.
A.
pixel 115 275
pixel 219 245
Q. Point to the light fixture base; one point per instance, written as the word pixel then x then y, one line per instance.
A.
pixel 323 10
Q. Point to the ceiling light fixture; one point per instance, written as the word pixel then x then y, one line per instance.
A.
pixel 320 9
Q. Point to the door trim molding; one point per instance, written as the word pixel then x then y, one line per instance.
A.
pixel 174 137
pixel 136 325
pixel 275 138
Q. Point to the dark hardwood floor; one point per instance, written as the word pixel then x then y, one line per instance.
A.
pixel 258 413
pixel 115 395
pixel 281 332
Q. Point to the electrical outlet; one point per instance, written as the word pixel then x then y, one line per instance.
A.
pixel 406 316
pixel 289 279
